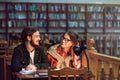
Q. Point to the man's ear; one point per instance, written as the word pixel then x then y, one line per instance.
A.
pixel 28 38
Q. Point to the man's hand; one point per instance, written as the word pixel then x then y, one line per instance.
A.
pixel 31 67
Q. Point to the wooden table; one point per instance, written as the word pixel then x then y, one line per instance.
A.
pixel 41 76
pixel 19 76
pixel 38 76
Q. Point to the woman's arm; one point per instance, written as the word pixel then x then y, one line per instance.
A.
pixel 52 61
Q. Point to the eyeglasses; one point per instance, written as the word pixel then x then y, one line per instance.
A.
pixel 66 40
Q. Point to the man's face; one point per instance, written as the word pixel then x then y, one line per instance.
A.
pixel 35 39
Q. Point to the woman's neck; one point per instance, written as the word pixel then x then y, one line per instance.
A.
pixel 66 50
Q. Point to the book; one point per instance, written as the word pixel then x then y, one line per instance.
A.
pixel 23 71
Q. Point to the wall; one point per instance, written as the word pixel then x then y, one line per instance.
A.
pixel 68 1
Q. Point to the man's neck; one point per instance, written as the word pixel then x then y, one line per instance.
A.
pixel 29 47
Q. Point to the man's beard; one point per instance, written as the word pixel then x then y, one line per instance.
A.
pixel 32 43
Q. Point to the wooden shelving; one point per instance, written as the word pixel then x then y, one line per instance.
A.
pixel 56 18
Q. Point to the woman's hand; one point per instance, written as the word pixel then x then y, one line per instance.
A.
pixel 59 63
pixel 76 62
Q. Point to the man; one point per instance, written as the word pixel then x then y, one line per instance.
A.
pixel 29 54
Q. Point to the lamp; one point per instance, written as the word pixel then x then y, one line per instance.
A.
pixel 78 49
pixel 81 47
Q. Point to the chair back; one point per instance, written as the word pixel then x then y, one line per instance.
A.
pixel 7 59
pixel 10 50
pixel 67 73
pixel 3 47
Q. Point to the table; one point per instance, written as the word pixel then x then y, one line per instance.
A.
pixel 43 75
pixel 40 75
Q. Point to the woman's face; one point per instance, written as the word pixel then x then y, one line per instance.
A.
pixel 66 42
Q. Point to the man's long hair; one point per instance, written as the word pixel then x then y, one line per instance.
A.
pixel 27 31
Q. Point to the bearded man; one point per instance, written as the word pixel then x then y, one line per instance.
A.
pixel 29 54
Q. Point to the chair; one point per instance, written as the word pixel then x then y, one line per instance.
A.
pixel 10 50
pixel 3 47
pixel 7 59
pixel 67 73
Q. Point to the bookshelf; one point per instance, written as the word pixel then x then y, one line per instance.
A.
pixel 112 18
pixel 95 19
pixel 56 18
pixel 76 17
pixel 37 16
pixel 16 17
pixel 3 24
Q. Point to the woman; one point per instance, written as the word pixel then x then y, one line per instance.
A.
pixel 62 55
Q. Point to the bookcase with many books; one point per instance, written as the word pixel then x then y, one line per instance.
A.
pixel 16 16
pixel 108 43
pixel 56 18
pixel 95 24
pixel 112 23
pixel 3 21
pixel 37 16
pixel 76 17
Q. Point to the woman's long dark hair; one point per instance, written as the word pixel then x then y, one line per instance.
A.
pixel 73 36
